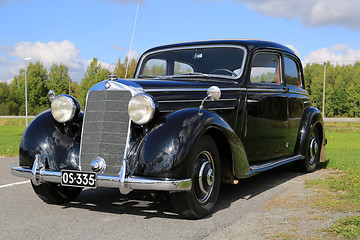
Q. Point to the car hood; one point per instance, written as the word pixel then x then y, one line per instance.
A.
pixel 176 94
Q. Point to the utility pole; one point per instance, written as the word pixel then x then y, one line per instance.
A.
pixel 26 105
pixel 323 103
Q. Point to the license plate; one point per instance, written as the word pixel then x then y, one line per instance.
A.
pixel 78 178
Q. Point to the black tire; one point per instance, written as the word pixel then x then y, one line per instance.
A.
pixel 205 172
pixel 312 155
pixel 54 194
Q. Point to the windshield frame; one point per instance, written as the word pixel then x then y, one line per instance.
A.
pixel 144 56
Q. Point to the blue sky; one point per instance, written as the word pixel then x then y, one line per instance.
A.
pixel 74 31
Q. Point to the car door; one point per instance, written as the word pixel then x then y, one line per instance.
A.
pixel 266 118
pixel 298 99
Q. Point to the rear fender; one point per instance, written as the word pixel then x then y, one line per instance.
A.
pixel 311 118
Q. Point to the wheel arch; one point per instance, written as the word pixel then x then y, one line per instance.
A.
pixel 224 149
pixel 311 119
pixel 165 150
pixel 57 144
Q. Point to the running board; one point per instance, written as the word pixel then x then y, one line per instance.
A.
pixel 267 166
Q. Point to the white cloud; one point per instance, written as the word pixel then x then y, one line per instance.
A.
pixel 339 54
pixel 64 52
pixel 313 13
pixel 48 53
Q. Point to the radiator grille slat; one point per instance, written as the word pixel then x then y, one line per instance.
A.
pixel 105 129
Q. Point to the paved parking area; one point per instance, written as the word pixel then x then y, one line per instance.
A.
pixel 106 214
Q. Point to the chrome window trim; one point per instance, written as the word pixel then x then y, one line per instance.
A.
pixel 270 52
pixel 298 69
pixel 197 47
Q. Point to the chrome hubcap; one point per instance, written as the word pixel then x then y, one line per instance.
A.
pixel 205 177
pixel 313 148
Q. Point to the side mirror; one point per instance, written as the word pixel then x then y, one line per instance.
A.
pixel 213 93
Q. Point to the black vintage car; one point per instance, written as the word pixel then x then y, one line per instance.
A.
pixel 196 114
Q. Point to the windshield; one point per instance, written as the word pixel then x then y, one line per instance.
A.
pixel 220 61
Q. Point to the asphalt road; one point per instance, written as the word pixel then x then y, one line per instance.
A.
pixel 106 214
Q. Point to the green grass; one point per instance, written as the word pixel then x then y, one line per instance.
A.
pixel 341 191
pixel 10 139
pixel 348 227
pixel 338 125
pixel 11 130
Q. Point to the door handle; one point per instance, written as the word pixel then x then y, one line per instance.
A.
pixel 252 101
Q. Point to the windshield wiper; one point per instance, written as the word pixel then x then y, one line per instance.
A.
pixel 195 74
pixel 146 76
pixel 153 76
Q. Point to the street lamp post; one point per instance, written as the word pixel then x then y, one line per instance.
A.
pixel 26 108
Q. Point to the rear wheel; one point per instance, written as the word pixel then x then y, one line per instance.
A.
pixel 205 173
pixel 54 194
pixel 312 156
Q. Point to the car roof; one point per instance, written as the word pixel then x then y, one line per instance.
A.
pixel 250 44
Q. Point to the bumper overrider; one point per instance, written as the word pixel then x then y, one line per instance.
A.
pixel 38 174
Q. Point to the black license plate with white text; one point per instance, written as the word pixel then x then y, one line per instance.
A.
pixel 78 179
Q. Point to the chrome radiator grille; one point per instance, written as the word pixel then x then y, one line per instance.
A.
pixel 105 129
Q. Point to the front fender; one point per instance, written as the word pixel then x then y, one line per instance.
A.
pixel 165 149
pixel 57 144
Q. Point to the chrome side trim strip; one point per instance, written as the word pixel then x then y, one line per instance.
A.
pixel 274 90
pixel 187 101
pixel 188 89
pixel 267 166
pixel 212 109
pixel 132 182
pixel 265 90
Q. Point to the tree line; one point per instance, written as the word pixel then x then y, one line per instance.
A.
pixel 342 88
pixel 40 81
pixel 342 94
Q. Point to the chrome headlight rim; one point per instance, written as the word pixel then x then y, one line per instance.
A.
pixel 149 108
pixel 58 113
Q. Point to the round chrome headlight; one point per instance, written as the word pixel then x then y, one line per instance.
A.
pixel 141 108
pixel 64 108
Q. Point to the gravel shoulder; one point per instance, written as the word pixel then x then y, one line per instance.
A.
pixel 286 215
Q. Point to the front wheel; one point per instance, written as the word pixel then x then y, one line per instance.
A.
pixel 54 194
pixel 205 172
pixel 312 156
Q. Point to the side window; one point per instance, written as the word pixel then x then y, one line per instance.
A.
pixel 181 68
pixel 292 74
pixel 155 67
pixel 265 68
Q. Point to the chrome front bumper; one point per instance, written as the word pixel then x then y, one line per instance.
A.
pixel 38 174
